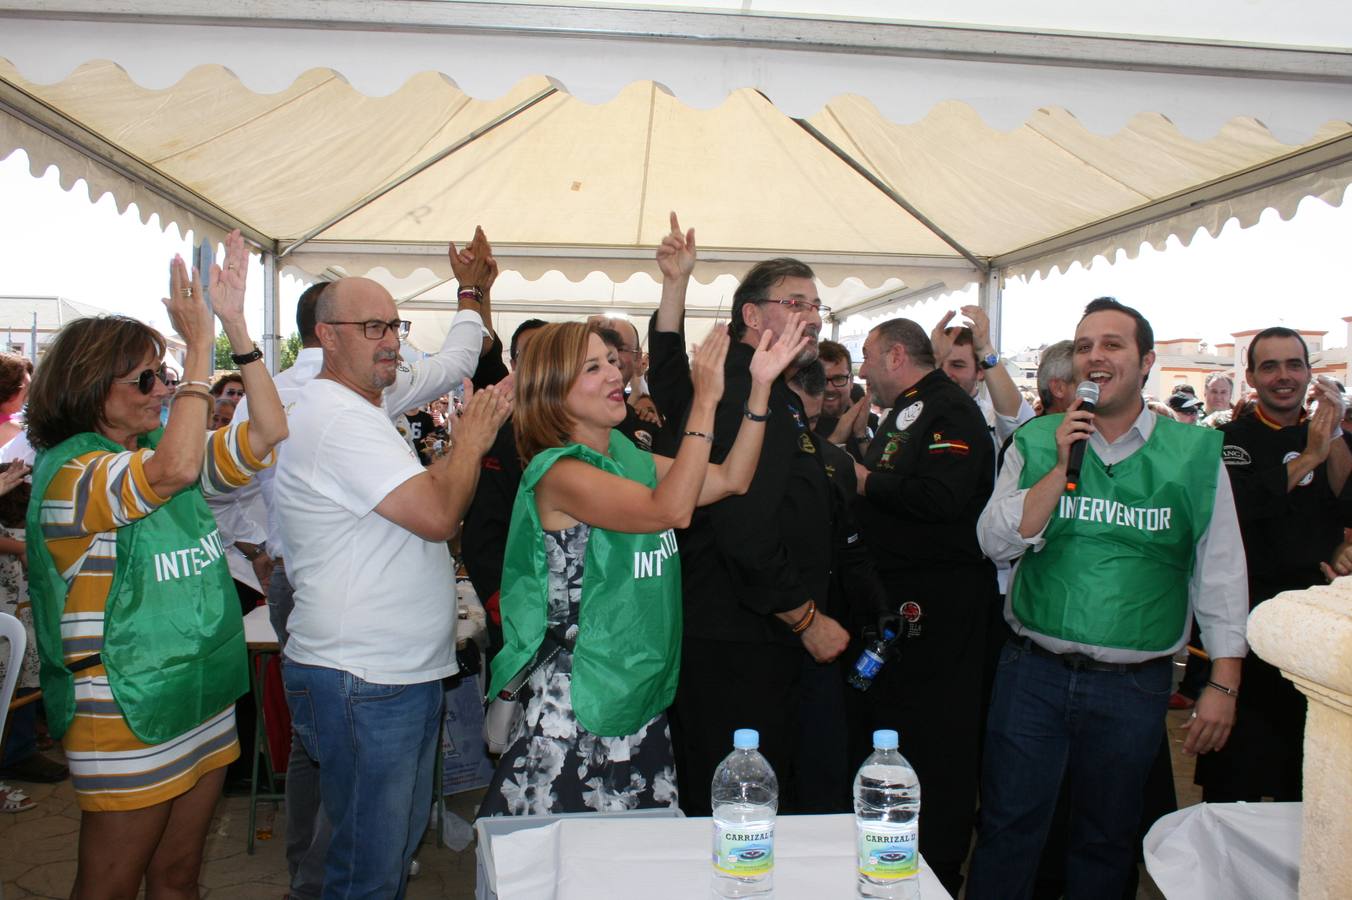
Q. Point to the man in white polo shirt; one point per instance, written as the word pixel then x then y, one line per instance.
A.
pixel 372 632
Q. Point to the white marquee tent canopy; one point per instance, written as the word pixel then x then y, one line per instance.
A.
pixel 899 159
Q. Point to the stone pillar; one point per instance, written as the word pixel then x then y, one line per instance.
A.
pixel 1308 635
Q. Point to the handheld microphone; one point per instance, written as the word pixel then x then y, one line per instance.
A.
pixel 1088 393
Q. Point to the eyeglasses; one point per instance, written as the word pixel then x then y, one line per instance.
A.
pixel 803 306
pixel 838 380
pixel 145 382
pixel 233 392
pixel 374 329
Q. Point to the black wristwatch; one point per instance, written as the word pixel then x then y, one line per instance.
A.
pixel 989 361
pixel 243 359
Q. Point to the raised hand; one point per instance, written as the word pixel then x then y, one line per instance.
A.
pixel 769 359
pixel 940 340
pixel 1323 424
pixel 188 314
pixel 706 366
pixel 227 285
pixel 981 328
pixel 483 415
pixel 474 266
pixel 12 476
pixel 676 254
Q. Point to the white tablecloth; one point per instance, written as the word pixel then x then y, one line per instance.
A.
pixel 1226 851
pixel 258 632
pixel 669 859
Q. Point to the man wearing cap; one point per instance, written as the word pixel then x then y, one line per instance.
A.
pixel 1108 578
pixel 1185 407
pixel 1289 472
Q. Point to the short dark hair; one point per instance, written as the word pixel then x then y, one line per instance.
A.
pixel 1277 331
pixel 218 387
pixel 755 287
pixel 71 385
pixel 833 351
pixel 528 325
pixel 612 338
pixel 1145 335
pixel 811 378
pixel 13 367
pixel 911 337
pixel 305 313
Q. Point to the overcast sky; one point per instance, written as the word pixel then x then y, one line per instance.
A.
pixel 1290 273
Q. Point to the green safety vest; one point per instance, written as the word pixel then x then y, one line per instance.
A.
pixel 173 638
pixel 627 654
pixel 1120 550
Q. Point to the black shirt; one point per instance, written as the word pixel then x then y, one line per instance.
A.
pixel 484 536
pixel 931 467
pixel 747 557
pixel 1287 534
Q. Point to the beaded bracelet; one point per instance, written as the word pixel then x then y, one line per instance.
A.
pixel 699 434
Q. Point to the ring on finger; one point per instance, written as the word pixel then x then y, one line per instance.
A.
pixel 187 293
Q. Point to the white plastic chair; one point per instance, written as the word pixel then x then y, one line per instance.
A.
pixel 12 629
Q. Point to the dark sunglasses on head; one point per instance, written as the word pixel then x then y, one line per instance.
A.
pixel 145 382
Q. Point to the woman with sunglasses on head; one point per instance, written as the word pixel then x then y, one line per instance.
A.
pixel 139 630
pixel 591 588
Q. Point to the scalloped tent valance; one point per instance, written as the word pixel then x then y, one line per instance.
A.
pixel 893 157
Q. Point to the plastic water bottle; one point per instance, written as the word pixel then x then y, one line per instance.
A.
pixel 745 802
pixel 870 662
pixel 887 822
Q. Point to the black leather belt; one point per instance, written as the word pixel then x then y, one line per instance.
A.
pixel 1079 662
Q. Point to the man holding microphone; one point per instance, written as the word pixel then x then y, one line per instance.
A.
pixel 1110 574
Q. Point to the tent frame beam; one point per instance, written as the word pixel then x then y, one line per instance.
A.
pixel 36 114
pixel 571 308
pixel 890 193
pixel 421 167
pixel 874 38
pixel 1307 160
pixel 627 252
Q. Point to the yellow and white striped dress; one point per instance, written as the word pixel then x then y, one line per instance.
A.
pixel 87 501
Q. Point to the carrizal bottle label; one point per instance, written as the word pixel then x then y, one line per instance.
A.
pixel 745 852
pixel 886 853
pixel 868 665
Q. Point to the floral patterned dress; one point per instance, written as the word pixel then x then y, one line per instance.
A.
pixel 14 600
pixel 554 765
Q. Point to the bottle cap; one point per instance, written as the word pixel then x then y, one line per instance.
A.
pixel 884 739
pixel 746 739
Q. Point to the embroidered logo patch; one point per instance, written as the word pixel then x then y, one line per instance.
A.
pixel 906 418
pixel 1309 476
pixel 940 445
pixel 1235 456
pixel 805 443
pixel 891 447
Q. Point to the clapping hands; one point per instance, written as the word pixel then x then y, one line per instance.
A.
pixel 770 359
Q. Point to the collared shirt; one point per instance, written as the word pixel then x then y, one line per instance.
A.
pixel 414 385
pixel 1217 591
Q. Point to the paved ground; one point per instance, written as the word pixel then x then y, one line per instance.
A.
pixel 38 856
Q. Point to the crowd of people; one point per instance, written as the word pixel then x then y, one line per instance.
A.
pixel 669 546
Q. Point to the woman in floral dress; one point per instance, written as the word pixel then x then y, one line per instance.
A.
pixel 591 576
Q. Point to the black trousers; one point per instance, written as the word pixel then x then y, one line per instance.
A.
pixel 932 696
pixel 726 685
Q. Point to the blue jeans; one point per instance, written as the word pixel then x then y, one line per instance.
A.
pixel 307 829
pixel 1099 729
pixel 374 744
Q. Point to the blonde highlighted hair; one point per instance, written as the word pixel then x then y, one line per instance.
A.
pixel 546 370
